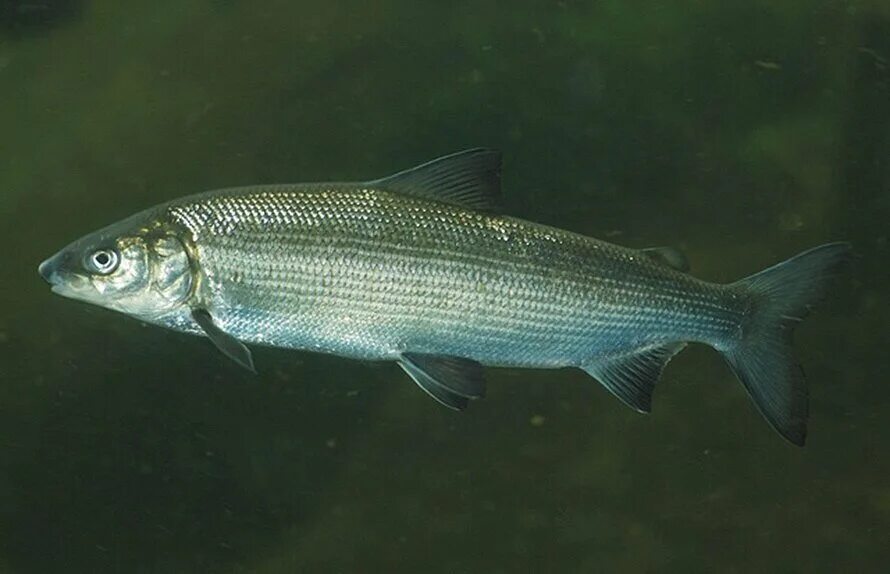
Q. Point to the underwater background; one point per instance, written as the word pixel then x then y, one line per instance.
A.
pixel 741 132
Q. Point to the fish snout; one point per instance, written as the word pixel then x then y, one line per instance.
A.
pixel 49 269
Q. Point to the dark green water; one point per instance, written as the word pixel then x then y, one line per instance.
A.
pixel 741 132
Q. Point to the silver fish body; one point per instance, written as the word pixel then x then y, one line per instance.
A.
pixel 366 273
pixel 422 269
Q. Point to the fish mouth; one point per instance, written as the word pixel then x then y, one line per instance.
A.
pixel 46 271
pixel 62 282
pixel 49 270
pixel 70 287
pixel 60 290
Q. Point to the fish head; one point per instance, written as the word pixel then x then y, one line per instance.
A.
pixel 135 267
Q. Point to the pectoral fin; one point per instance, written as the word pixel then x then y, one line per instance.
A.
pixel 449 380
pixel 229 345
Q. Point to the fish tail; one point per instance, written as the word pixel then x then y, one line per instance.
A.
pixel 762 359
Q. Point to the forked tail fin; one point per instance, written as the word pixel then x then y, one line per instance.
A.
pixel 762 358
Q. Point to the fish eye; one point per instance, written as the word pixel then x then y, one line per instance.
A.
pixel 103 261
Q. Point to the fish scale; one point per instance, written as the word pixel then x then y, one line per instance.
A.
pixel 423 269
pixel 367 273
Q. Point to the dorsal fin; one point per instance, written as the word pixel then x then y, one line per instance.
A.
pixel 669 256
pixel 469 178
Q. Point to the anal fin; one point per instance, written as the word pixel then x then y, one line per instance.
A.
pixel 632 377
pixel 450 380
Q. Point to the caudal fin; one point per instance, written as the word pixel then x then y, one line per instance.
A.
pixel 762 359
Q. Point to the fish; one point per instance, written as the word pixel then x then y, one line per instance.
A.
pixel 423 268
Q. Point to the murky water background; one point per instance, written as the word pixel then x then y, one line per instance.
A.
pixel 741 132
